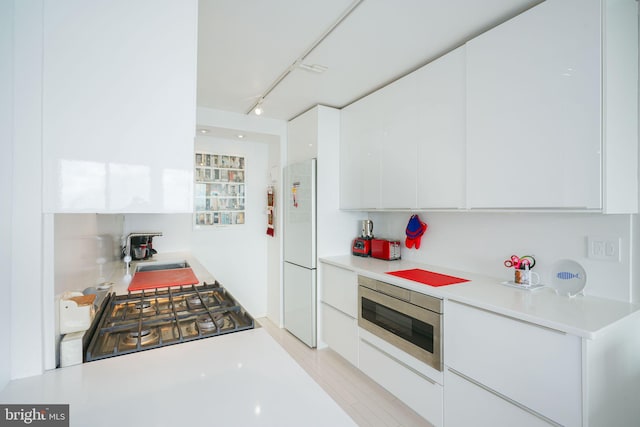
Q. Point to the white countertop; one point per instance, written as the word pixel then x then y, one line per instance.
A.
pixel 584 316
pixel 239 379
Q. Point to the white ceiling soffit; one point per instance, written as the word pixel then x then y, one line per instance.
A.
pixel 245 45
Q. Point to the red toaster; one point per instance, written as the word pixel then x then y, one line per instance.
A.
pixel 385 249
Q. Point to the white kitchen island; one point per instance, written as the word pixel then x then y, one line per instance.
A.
pixel 239 379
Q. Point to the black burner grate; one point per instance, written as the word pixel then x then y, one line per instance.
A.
pixel 149 319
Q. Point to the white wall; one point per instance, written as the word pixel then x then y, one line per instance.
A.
pixel 237 255
pixel 480 242
pixel 6 179
pixel 276 133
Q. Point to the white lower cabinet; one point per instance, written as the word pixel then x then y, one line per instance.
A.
pixel 340 289
pixel 340 332
pixel 413 388
pixel 498 370
pixel 467 403
pixel 339 305
pixel 536 367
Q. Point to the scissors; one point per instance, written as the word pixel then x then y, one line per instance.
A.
pixel 520 262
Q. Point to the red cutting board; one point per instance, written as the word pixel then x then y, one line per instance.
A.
pixel 427 277
pixel 162 279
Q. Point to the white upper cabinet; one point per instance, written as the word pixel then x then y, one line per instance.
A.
pixel 540 112
pixel 398 132
pixel 402 147
pixel 535 110
pixel 360 144
pixel 441 132
pixel 302 137
pixel 119 81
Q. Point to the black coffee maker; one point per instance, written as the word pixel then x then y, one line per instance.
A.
pixel 140 246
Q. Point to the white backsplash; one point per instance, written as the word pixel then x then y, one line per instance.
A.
pixel 479 242
pixel 86 249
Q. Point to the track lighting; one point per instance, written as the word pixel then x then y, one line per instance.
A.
pixel 258 109
pixel 298 63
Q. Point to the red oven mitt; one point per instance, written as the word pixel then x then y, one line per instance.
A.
pixel 415 230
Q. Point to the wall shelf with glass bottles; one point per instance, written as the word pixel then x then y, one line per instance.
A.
pixel 219 189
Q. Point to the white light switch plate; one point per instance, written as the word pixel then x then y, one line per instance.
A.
pixel 606 248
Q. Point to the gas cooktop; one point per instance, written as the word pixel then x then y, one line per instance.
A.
pixel 155 318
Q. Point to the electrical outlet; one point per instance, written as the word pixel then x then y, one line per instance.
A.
pixel 604 248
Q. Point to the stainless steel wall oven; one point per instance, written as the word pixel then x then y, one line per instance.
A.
pixel 406 319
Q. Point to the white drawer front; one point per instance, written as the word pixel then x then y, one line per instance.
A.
pixel 340 289
pixel 535 366
pixel 466 404
pixel 340 332
pixel 414 389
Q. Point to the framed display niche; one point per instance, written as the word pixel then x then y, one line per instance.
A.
pixel 219 189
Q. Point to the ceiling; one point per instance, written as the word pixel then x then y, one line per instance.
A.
pixel 245 46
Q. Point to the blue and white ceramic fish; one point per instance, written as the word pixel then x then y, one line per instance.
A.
pixel 565 275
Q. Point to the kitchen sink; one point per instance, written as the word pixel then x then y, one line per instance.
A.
pixel 155 266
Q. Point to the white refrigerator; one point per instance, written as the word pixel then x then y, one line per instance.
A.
pixel 300 251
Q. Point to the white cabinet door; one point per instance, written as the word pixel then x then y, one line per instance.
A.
pixel 339 295
pixel 533 110
pixel 378 144
pixel 119 82
pixel 414 389
pixel 340 332
pixel 302 137
pixel 403 145
pixel 441 132
pixel 535 366
pixel 340 289
pixel 360 143
pixel 467 404
pixel 398 127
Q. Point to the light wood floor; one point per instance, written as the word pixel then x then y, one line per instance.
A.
pixel 364 400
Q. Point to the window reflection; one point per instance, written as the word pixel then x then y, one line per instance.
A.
pixel 174 183
pixel 82 185
pixel 129 186
pixel 100 186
